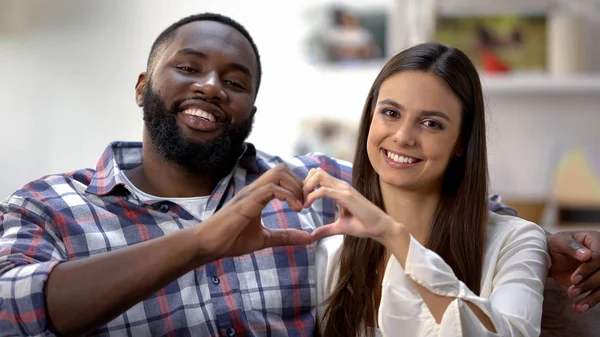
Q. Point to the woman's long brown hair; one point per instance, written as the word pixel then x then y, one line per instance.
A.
pixel 458 229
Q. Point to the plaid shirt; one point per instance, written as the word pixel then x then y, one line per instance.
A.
pixel 82 213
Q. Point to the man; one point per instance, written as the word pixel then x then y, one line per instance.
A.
pixel 174 244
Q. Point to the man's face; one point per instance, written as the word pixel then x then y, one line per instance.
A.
pixel 198 101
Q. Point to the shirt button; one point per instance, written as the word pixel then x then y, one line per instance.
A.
pixel 215 280
pixel 230 332
pixel 164 208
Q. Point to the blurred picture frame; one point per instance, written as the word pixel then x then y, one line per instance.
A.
pixel 331 136
pixel 347 35
pixel 498 42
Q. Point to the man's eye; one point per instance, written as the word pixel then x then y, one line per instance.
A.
pixel 235 84
pixel 187 69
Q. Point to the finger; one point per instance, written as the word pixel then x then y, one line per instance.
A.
pixel 270 192
pixel 254 202
pixel 322 180
pixel 323 232
pixel 283 176
pixel 290 181
pixel 587 302
pixel 323 192
pixel 590 283
pixel 311 173
pixel 589 239
pixel 565 244
pixel 312 180
pixel 586 270
pixel 286 237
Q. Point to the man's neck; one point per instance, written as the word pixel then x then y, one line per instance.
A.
pixel 158 177
pixel 413 209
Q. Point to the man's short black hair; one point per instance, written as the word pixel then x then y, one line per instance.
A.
pixel 170 31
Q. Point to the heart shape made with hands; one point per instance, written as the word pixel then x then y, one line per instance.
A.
pixel 357 215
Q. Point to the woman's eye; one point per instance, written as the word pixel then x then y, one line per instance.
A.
pixel 432 124
pixel 390 113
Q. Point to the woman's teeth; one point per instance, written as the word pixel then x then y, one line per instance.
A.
pixel 401 159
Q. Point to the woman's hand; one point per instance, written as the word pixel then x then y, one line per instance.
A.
pixel 357 217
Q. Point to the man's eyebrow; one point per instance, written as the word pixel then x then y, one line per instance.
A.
pixel 236 66
pixel 191 51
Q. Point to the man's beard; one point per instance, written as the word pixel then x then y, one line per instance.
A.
pixel 215 156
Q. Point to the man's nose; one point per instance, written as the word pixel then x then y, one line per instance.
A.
pixel 209 87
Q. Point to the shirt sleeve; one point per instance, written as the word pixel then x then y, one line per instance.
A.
pixel 29 250
pixel 514 305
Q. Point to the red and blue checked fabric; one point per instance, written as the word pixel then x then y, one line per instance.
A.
pixel 75 215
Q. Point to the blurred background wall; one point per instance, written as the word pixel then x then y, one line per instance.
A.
pixel 68 70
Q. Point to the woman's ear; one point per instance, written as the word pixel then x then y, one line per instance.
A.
pixel 459 148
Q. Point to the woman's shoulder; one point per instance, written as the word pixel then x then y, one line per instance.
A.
pixel 507 228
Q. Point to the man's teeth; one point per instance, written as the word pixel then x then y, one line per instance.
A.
pixel 201 114
pixel 400 159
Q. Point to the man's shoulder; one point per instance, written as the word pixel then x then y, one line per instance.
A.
pixel 50 189
pixel 496 204
pixel 301 164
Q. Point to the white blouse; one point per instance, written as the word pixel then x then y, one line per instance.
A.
pixel 515 267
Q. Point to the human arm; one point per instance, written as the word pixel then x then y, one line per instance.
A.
pixel 514 308
pixel 42 293
pixel 575 259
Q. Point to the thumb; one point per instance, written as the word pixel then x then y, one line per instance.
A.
pixel 566 244
pixel 577 251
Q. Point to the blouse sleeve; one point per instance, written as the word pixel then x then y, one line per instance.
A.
pixel 514 305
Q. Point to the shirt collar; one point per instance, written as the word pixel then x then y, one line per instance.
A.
pixel 121 156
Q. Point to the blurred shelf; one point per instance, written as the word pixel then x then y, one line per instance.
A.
pixel 541 84
pixel 363 74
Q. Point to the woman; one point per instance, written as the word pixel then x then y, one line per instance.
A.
pixel 421 255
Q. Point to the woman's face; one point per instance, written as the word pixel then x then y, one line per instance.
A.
pixel 414 131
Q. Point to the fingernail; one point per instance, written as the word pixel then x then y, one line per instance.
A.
pixel 581 251
pixel 585 307
pixel 574 245
pixel 577 279
pixel 576 292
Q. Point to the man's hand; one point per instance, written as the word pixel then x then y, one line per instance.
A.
pixel 237 228
pixel 576 263
pixel 86 293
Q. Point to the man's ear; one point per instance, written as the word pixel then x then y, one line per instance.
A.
pixel 253 112
pixel 140 88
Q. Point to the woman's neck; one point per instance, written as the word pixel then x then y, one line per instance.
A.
pixel 413 209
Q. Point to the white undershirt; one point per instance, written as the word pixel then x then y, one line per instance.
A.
pixel 194 205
